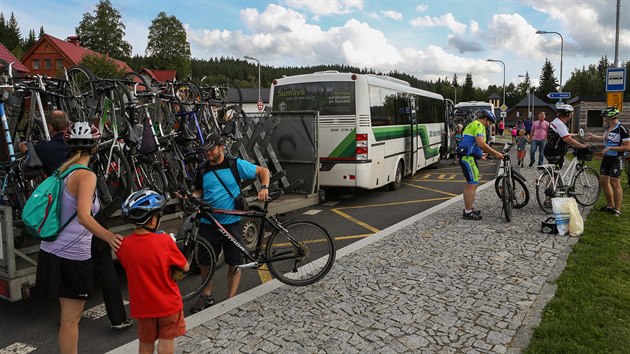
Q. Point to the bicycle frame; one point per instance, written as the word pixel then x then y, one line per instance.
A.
pixel 561 179
pixel 257 259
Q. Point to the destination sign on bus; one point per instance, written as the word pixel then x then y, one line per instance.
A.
pixel 329 98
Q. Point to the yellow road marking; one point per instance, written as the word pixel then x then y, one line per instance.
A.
pixel 356 221
pixel 433 190
pixel 263 273
pixel 350 237
pixel 449 181
pixel 450 176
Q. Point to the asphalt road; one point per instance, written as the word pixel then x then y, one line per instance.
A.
pixel 31 325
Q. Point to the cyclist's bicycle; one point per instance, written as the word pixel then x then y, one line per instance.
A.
pixel 297 252
pixel 584 185
pixel 517 195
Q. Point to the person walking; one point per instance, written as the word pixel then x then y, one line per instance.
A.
pixel 151 261
pixel 64 266
pixel 538 138
pixel 471 149
pixel 616 143
pixel 217 184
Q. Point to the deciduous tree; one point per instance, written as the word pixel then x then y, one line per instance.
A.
pixel 103 32
pixel 168 47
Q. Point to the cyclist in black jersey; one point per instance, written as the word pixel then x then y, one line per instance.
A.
pixel 617 142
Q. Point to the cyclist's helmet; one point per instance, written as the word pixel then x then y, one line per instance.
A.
pixel 140 206
pixel 484 113
pixel 82 135
pixel 565 109
pixel 610 112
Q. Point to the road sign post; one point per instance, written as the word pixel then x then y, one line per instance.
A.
pixel 559 95
pixel 260 105
pixel 615 79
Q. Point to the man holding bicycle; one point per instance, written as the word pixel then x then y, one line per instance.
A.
pixel 217 184
pixel 471 149
pixel 558 137
pixel 617 141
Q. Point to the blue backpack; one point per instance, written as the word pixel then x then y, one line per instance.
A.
pixel 41 213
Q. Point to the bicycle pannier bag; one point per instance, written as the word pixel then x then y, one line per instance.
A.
pixel 42 209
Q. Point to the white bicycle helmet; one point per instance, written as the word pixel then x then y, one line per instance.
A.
pixel 82 135
pixel 565 109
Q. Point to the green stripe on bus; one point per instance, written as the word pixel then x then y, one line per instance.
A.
pixel 388 133
pixel 429 152
pixel 347 147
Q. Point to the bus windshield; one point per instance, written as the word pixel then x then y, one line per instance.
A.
pixel 329 98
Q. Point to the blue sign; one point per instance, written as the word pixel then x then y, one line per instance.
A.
pixel 559 95
pixel 615 79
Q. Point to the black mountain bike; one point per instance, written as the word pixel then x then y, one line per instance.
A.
pixel 296 252
pixel 513 183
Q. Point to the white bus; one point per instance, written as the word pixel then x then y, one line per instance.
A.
pixel 373 129
pixel 465 113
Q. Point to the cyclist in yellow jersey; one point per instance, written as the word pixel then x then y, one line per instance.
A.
pixel 471 149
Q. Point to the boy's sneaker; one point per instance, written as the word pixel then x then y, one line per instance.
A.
pixel 615 212
pixel 123 325
pixel 473 215
pixel 607 209
pixel 203 303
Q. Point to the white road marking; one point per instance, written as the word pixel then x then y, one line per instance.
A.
pixel 312 212
pixel 330 203
pixel 98 311
pixel 17 348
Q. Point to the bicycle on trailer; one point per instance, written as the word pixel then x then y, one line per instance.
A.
pixel 513 183
pixel 296 252
pixel 583 186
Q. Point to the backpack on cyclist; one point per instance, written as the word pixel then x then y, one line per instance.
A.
pixel 41 212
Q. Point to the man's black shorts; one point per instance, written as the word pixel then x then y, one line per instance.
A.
pixel 611 166
pixel 211 233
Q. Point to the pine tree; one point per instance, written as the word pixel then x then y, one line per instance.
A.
pixel 548 82
pixel 168 47
pixel 4 31
pixel 13 37
pixel 602 66
pixel 468 92
pixel 41 32
pixel 29 41
pixel 103 32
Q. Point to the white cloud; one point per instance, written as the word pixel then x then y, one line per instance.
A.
pixel 474 26
pixel 446 20
pixel 326 8
pixel 394 15
pixel 422 8
pixel 512 33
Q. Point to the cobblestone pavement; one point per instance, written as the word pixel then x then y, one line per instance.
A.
pixel 440 284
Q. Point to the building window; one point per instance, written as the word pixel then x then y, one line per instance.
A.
pixel 59 63
pixel 594 119
pixel 518 114
pixel 35 64
pixel 46 64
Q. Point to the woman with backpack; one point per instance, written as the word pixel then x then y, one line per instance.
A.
pixel 64 267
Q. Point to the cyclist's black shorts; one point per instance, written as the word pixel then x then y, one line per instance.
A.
pixel 611 166
pixel 211 233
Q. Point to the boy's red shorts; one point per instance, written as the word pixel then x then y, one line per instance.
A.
pixel 520 154
pixel 167 327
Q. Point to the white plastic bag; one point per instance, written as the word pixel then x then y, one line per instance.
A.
pixel 562 214
pixel 568 217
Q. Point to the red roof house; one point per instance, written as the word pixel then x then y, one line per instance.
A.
pixel 158 76
pixel 7 56
pixel 49 53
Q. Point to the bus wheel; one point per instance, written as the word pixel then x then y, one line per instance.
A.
pixel 397 182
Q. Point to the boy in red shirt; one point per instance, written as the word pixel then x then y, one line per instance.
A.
pixel 155 300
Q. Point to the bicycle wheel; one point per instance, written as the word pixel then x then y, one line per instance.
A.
pixel 305 262
pixel 151 176
pixel 117 183
pixel 585 186
pixel 506 197
pixel 519 189
pixel 230 93
pixel 202 261
pixel 545 191
pixel 82 89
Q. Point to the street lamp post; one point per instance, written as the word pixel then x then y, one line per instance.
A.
pixel 499 61
pixel 455 90
pixel 561 51
pixel 258 62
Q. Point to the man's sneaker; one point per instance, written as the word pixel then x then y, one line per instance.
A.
pixel 123 325
pixel 473 215
pixel 203 303
pixel 607 209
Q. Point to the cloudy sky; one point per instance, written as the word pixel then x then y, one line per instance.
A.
pixel 428 39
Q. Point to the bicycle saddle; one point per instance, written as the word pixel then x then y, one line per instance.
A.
pixel 184 136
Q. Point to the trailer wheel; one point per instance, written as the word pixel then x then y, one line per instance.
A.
pixel 250 228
